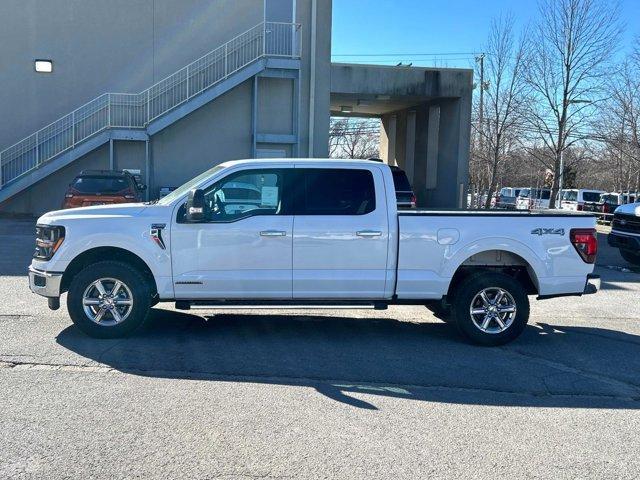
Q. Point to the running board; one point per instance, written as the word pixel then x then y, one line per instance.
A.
pixel 277 305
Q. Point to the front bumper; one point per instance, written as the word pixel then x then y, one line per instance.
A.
pixel 44 283
pixel 624 241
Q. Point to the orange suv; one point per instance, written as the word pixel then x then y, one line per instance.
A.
pixel 102 187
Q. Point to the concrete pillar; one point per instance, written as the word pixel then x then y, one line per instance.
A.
pixel 433 133
pixel 447 158
pixel 388 139
pixel 410 144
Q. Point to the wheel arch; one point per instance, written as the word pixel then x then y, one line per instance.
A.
pixel 98 254
pixel 503 260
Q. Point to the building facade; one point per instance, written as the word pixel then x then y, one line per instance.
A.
pixel 170 89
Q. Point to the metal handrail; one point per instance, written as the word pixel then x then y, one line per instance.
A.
pixel 137 110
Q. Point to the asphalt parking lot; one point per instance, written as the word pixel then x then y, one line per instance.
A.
pixel 331 394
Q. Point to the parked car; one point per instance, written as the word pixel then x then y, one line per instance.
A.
pixel 327 232
pixel 579 199
pixel 506 198
pixel 625 232
pixel 405 196
pixel 404 192
pixel 102 187
pixel 612 200
pixel 533 198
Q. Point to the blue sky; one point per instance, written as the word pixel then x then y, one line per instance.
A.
pixel 428 26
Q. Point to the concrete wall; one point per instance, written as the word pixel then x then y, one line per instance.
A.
pixel 98 47
pixel 219 131
pixel 125 46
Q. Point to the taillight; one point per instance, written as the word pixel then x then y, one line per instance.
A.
pixel 413 200
pixel 580 207
pixel 585 242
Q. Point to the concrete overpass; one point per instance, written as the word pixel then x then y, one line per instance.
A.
pixel 426 122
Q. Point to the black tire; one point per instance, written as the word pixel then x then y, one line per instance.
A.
pixel 631 257
pixel 138 287
pixel 469 290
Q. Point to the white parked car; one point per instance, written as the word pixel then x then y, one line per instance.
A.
pixel 575 199
pixel 323 232
pixel 533 199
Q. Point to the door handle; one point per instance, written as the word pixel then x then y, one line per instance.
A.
pixel 369 233
pixel 273 233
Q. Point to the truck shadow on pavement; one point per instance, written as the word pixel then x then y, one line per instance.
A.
pixel 351 359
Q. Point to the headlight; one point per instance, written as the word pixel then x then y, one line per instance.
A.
pixel 48 240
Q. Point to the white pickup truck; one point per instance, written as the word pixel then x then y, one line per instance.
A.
pixel 307 233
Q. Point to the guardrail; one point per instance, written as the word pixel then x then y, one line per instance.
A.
pixel 137 110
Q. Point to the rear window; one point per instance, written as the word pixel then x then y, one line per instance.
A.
pixel 100 185
pixel 400 181
pixel 591 196
pixel 524 193
pixel 338 192
pixel 570 196
pixel 545 194
pixel 609 199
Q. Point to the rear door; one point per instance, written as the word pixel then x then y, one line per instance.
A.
pixel 340 234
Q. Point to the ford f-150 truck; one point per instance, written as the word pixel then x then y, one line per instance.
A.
pixel 625 232
pixel 307 233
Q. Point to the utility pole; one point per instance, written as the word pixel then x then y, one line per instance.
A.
pixel 480 59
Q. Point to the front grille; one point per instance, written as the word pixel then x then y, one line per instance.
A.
pixel 626 223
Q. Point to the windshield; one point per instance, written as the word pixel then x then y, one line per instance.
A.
pixel 591 196
pixel 100 185
pixel 184 188
pixel 400 181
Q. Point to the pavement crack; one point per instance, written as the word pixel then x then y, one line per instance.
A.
pixel 297 381
pixel 577 371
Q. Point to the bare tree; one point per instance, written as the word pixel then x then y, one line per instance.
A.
pixel 570 48
pixel 505 94
pixel 620 122
pixel 354 138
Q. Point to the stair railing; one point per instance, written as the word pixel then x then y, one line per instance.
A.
pixel 137 110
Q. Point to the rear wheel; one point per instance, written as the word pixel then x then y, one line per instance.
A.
pixel 109 299
pixel 490 308
pixel 631 257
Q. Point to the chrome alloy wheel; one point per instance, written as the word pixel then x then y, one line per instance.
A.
pixel 107 301
pixel 493 310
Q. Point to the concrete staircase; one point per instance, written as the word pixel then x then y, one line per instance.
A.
pixel 126 116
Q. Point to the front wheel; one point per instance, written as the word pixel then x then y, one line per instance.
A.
pixel 631 257
pixel 109 299
pixel 490 308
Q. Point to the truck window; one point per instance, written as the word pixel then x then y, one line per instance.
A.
pixel 245 194
pixel 337 192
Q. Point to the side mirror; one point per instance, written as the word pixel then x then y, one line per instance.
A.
pixel 194 210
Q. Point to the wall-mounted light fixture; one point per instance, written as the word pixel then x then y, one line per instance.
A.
pixel 43 66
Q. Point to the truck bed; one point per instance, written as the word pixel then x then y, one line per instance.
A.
pixel 493 213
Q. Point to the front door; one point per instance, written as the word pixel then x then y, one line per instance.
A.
pixel 341 234
pixel 244 247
